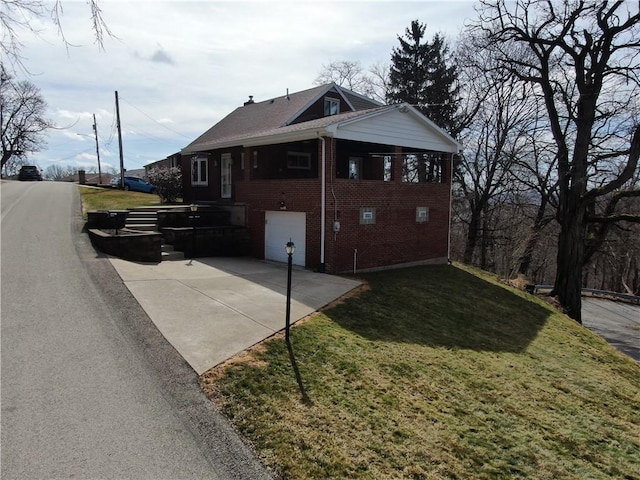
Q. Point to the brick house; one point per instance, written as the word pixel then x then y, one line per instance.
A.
pixel 355 184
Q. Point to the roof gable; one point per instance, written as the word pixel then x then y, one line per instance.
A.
pixel 400 125
pixel 353 102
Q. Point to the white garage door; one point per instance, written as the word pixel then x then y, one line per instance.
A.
pixel 279 228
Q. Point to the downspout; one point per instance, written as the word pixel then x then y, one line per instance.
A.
pixel 323 203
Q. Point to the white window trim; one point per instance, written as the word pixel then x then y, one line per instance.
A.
pixel 331 101
pixel 196 179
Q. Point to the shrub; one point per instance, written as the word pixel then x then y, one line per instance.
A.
pixel 168 181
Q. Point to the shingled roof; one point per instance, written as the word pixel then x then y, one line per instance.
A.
pixel 277 115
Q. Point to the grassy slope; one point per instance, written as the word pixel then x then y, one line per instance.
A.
pixel 437 373
pixel 114 199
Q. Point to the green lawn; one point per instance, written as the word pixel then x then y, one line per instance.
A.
pixel 433 373
pixel 114 199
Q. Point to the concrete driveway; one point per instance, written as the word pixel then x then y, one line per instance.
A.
pixel 214 308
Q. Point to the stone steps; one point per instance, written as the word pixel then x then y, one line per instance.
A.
pixel 145 219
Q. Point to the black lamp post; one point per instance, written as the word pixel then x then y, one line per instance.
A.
pixel 194 209
pixel 290 247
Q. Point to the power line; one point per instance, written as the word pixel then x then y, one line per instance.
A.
pixel 154 120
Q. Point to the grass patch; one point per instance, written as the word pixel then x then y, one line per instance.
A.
pixel 437 372
pixel 114 199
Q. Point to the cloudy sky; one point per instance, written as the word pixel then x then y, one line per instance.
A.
pixel 181 66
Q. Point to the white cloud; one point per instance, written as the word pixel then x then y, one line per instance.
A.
pixel 180 66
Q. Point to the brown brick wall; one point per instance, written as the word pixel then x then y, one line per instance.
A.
pixel 395 238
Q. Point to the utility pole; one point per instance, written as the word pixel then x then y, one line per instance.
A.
pixel 120 143
pixel 95 129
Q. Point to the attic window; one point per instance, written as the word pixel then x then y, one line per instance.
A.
pixel 331 106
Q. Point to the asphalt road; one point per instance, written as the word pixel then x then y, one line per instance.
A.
pixel 90 389
pixel 616 322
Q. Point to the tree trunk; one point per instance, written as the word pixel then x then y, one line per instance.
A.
pixel 532 242
pixel 484 244
pixel 472 236
pixel 568 283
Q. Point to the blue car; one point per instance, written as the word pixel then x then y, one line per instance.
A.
pixel 135 184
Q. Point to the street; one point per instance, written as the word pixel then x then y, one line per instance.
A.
pixel 90 389
pixel 618 323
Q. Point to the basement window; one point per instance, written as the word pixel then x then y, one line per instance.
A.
pixel 367 216
pixel 422 214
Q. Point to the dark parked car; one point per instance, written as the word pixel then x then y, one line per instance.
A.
pixel 135 184
pixel 29 172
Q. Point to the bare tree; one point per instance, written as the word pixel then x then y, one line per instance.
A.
pixel 21 15
pixel 58 172
pixel 350 74
pixel 584 56
pixel 378 80
pixel 22 120
pixel 346 73
pixel 535 172
pixel 500 117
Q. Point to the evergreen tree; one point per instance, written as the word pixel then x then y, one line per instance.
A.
pixel 421 75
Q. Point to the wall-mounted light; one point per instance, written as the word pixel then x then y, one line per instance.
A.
pixel 283 202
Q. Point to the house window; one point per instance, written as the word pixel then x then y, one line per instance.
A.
pixel 331 106
pixel 225 175
pixel 255 159
pixel 354 168
pixel 422 214
pixel 367 216
pixel 299 160
pixel 388 168
pixel 199 171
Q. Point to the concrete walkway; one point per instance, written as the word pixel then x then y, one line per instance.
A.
pixel 211 309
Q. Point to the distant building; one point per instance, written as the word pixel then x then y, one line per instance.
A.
pixel 171 161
